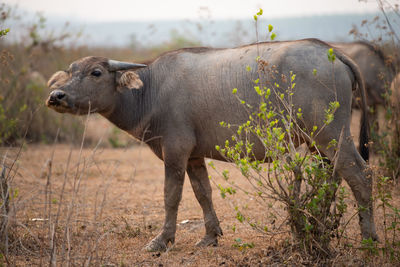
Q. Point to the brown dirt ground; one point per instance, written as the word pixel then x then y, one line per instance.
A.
pixel 112 206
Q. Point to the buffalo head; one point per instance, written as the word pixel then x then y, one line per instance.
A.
pixel 90 85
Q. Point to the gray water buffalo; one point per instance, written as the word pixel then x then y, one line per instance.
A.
pixel 176 104
pixel 376 72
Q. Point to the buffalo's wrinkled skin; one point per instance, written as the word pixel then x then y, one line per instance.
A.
pixel 184 96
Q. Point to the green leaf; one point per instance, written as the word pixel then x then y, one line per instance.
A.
pixel 273 36
pixel 331 55
pixel 225 173
pixel 23 108
pixel 314 72
pixel 240 217
pixel 270 28
pixel 4 32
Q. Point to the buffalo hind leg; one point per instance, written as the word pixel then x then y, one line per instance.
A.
pixel 358 176
pixel 173 185
pixel 198 176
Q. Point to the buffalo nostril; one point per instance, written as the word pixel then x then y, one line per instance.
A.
pixel 56 97
pixel 59 95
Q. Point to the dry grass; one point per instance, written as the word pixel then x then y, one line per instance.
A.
pixel 100 206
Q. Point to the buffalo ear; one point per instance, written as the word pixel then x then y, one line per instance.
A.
pixel 128 80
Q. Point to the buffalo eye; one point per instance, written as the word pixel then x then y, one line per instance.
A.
pixel 96 73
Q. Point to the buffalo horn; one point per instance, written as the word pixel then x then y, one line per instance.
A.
pixel 115 65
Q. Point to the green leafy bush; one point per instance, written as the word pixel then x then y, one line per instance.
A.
pixel 305 183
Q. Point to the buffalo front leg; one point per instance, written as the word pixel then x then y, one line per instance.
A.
pixel 174 178
pixel 200 182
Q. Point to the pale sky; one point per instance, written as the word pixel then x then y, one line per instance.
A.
pixel 148 10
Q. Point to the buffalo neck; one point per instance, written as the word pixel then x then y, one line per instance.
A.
pixel 132 109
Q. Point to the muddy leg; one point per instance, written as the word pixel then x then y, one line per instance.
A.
pixel 197 172
pixel 174 178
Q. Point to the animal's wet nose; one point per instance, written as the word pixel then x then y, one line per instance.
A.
pixel 57 95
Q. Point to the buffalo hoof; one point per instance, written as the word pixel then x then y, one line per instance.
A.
pixel 368 230
pixel 158 244
pixel 208 241
pixel 372 234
